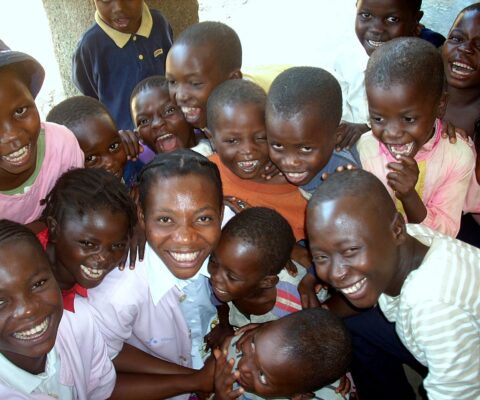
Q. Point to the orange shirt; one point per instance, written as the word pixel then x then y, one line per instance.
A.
pixel 284 198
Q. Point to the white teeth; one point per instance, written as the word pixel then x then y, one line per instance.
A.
pixel 373 43
pixel 462 65
pixel 295 174
pixel 18 155
pixel 401 149
pixel 34 332
pixel 248 165
pixel 184 257
pixel 354 288
pixel 93 273
pixel 220 290
pixel 165 136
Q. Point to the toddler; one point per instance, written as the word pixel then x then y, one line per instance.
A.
pixel 202 56
pixel 424 282
pixel 164 306
pixel 236 128
pixel 127 43
pixel 303 109
pixel 32 154
pixel 426 176
pixel 90 218
pixel 290 358
pixel 42 353
pixel 103 145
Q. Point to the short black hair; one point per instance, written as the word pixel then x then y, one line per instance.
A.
pixel 154 81
pixel 13 231
pixel 233 92
pixel 416 5
pixel 318 343
pixel 358 184
pixel 75 110
pixel 305 90
pixel 180 162
pixel 267 231
pixel 222 39
pixel 407 61
pixel 82 190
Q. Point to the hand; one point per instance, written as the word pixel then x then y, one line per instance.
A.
pixel 217 336
pixel 341 168
pixel 450 132
pixel 206 377
pixel 236 205
pixel 131 144
pixel 247 331
pixel 301 255
pixel 136 246
pixel 270 171
pixel 291 268
pixel 404 176
pixel 308 288
pixel 348 134
pixel 225 377
pixel 344 386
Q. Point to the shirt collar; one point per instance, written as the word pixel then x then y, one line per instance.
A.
pixel 161 280
pixel 120 38
pixel 24 381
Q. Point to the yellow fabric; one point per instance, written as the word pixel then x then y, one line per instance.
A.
pixel 419 186
pixel 263 75
pixel 120 38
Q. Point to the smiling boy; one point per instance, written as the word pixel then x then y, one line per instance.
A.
pixel 423 281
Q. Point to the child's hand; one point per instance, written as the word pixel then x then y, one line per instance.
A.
pixel 301 255
pixel 225 377
pixel 348 134
pixel 217 336
pixel 450 132
pixel 270 171
pixel 205 377
pixel 341 168
pixel 235 204
pixel 308 288
pixel 137 246
pixel 404 176
pixel 131 144
pixel 247 331
pixel 344 386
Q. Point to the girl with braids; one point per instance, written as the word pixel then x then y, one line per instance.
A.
pixel 164 307
pixel 42 353
pixel 90 218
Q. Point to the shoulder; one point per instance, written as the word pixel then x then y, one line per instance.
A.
pixel 158 17
pixel 90 36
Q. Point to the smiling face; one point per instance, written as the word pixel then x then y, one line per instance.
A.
pixel 123 15
pixel 160 122
pixel 30 303
pixel 182 218
pixel 354 250
pixel 236 270
pixel 266 370
pixel 88 247
pixel 299 146
pixel 240 140
pixel 379 21
pixel 461 51
pixel 101 144
pixel 192 74
pixel 19 130
pixel 402 117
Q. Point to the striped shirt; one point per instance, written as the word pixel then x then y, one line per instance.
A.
pixel 437 315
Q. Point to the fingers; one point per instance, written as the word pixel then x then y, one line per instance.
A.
pixel 291 268
pixel 131 144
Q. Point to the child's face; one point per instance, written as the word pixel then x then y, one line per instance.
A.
pixel 352 250
pixel 101 144
pixel 235 269
pixel 123 15
pixel 89 246
pixel 264 370
pixel 461 51
pixel 402 117
pixel 182 218
pixel 240 139
pixel 192 73
pixel 379 21
pixel 30 303
pixel 300 146
pixel 19 130
pixel 160 122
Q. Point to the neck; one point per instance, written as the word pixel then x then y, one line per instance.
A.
pixel 411 255
pixel 463 97
pixel 258 303
pixel 63 277
pixel 34 366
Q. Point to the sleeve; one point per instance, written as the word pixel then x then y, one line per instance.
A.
pixel 444 208
pixel 83 75
pixel 448 338
pixel 68 149
pixel 10 394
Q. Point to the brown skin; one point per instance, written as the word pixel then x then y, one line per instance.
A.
pixel 121 15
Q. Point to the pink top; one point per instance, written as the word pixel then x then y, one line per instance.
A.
pixel 445 172
pixel 84 363
pixel 62 152
pixel 472 202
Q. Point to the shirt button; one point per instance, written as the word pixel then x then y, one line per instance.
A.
pixel 134 38
pixel 140 56
pixel 182 297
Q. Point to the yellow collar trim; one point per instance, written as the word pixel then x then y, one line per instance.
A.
pixel 120 38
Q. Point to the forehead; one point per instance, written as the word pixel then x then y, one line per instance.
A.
pixel 387 6
pixel 96 130
pixel 96 222
pixel 469 20
pixel 243 254
pixel 241 113
pixel 186 59
pixel 401 96
pixel 11 81
pixel 158 94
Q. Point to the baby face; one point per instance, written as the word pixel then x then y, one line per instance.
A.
pixel 123 16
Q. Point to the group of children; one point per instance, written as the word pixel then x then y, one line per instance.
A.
pixel 235 203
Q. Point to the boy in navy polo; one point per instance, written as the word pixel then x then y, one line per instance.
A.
pixel 127 43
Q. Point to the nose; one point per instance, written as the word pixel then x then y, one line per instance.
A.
pixel 109 163
pixel 466 47
pixel 184 234
pixel 25 307
pixel 376 25
pixel 290 161
pixel 10 136
pixel 157 121
pixel 246 147
pixel 181 94
pixel 338 272
pixel 393 130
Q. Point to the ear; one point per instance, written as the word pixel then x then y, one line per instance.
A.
pixel 141 217
pixel 418 26
pixel 209 136
pixel 399 230
pixel 236 74
pixel 268 282
pixel 442 105
pixel 53 229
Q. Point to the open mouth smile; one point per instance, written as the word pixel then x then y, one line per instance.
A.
pixel 33 333
pixel 398 150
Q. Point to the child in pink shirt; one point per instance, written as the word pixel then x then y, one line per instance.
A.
pixel 427 177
